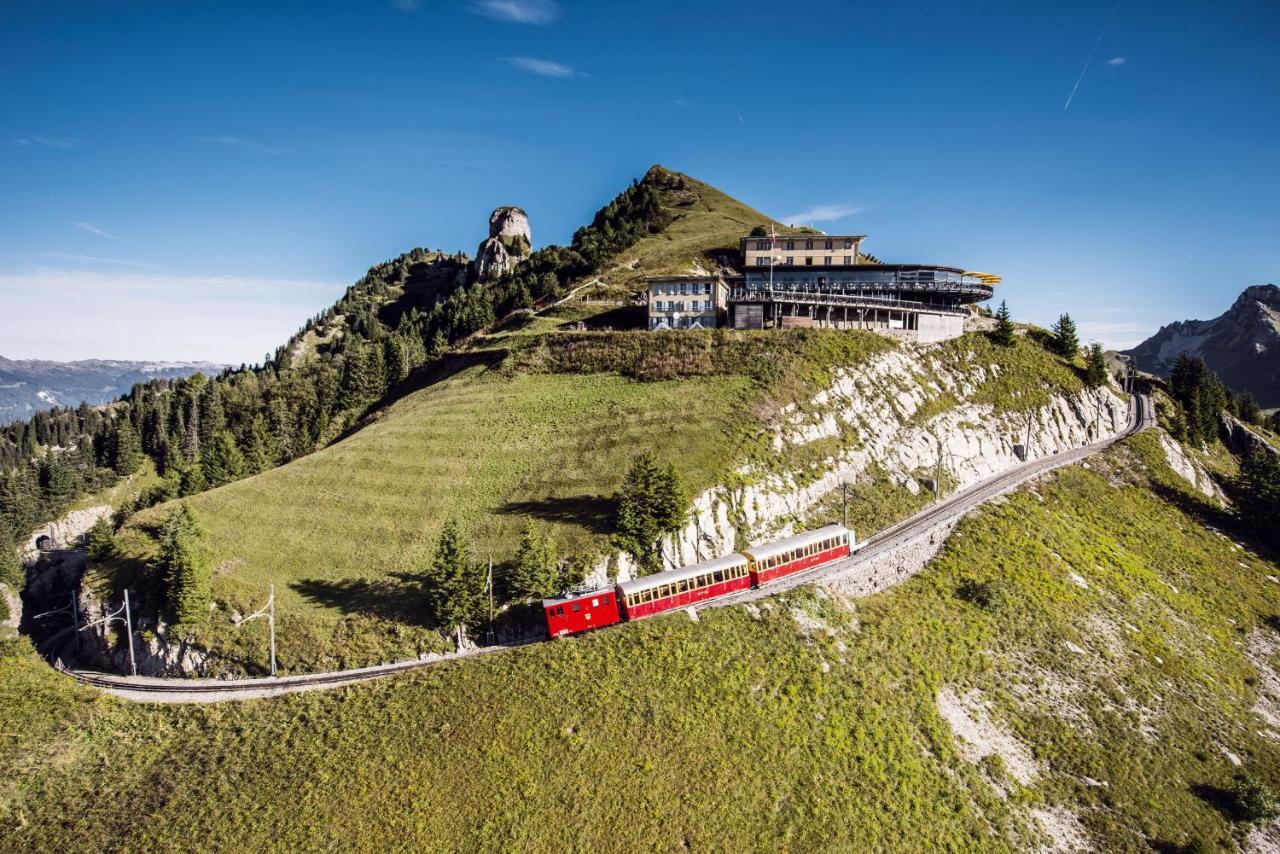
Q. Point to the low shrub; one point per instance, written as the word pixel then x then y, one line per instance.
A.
pixel 982 594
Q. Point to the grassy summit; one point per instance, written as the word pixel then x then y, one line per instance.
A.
pixel 1120 669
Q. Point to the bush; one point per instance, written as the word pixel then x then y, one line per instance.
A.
pixel 1252 799
pixel 983 594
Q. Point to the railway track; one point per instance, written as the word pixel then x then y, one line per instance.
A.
pixel 166 690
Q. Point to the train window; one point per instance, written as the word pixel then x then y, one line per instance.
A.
pixel 560 611
pixel 595 603
pixel 577 606
pixel 605 599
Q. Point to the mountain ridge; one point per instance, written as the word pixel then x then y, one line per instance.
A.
pixel 1241 345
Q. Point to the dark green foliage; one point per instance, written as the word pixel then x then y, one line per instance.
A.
pixel 126 455
pixel 651 503
pixel 1258 502
pixel 1201 397
pixel 536 572
pixel 455 583
pixel 185 568
pixel 1247 408
pixel 982 594
pixel 1252 799
pixel 11 572
pixel 1095 367
pixel 100 541
pixel 759 231
pixel 1003 333
pixel 1066 341
pixel 222 460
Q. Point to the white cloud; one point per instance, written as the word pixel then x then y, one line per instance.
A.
pixel 518 11
pixel 94 230
pixel 822 213
pixel 542 67
pixel 246 143
pixel 126 315
pixel 1115 335
pixel 1117 60
pixel 65 143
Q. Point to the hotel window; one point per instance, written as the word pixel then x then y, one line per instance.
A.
pixel 763 244
pixel 808 244
pixel 762 262
pixel 827 245
pixel 808 260
pixel 828 259
pixel 848 259
pixel 791 244
pixel 706 287
pixel 791 259
pixel 848 244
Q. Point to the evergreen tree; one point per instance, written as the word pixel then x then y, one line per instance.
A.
pixel 1259 501
pixel 455 582
pixel 222 460
pixel 213 419
pixel 126 452
pixel 1003 333
pixel 1201 396
pixel 185 567
pixel 536 572
pixel 650 504
pixel 100 541
pixel 11 572
pixel 260 453
pixel 1066 341
pixel 1247 408
pixel 1095 369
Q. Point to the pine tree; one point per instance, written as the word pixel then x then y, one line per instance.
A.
pixel 535 572
pixel 1259 495
pixel 11 572
pixel 650 504
pixel 260 454
pixel 1066 341
pixel 1095 369
pixel 1247 408
pixel 222 460
pixel 1003 333
pixel 185 568
pixel 455 582
pixel 126 452
pixel 213 419
pixel 100 541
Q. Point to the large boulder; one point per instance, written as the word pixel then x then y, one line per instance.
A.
pixel 509 243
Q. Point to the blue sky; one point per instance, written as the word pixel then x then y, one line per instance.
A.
pixel 191 180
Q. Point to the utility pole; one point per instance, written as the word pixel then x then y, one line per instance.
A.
pixel 75 622
pixel 489 584
pixel 269 611
pixel 844 503
pixel 128 624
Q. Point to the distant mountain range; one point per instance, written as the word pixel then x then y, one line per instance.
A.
pixel 29 385
pixel 1242 345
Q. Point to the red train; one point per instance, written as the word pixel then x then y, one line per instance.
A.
pixel 573 613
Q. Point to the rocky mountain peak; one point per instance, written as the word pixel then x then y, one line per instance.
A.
pixel 1242 345
pixel 509 242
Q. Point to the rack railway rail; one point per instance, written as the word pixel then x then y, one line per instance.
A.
pixel 170 690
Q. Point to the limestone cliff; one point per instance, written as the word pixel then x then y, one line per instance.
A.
pixel 908 413
pixel 509 242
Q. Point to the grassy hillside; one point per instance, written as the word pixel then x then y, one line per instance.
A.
pixel 526 425
pixel 1118 667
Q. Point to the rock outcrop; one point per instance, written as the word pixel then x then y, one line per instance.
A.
pixel 509 243
pixel 1242 345
pixel 66 531
pixel 885 404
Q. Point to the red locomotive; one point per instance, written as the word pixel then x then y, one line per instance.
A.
pixel 573 613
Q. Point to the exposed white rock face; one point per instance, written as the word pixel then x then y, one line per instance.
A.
pixel 66 531
pixel 874 406
pixel 508 244
pixel 1189 470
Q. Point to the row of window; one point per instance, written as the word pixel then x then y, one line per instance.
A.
pixel 765 245
pixel 672 305
pixel 684 288
pixel 558 610
pixel 790 260
pixel 662 591
pixel 802 552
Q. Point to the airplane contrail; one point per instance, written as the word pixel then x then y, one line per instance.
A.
pixel 740 121
pixel 1089 61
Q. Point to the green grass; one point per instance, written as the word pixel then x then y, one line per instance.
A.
pixel 737 732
